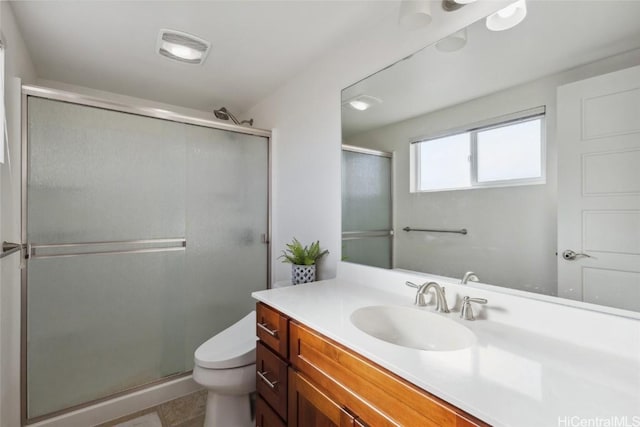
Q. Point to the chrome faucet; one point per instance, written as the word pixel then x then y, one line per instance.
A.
pixel 441 301
pixel 469 276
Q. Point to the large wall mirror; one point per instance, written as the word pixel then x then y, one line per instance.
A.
pixel 513 154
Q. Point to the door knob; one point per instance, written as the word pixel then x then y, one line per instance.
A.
pixel 570 255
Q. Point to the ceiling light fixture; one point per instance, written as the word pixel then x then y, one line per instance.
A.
pixel 508 17
pixel 453 5
pixel 182 47
pixel 414 14
pixel 361 102
pixel 455 41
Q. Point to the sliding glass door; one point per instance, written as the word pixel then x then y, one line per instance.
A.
pixel 144 239
pixel 367 197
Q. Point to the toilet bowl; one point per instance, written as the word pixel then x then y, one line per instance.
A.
pixel 226 366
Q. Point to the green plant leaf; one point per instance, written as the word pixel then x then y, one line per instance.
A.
pixel 297 254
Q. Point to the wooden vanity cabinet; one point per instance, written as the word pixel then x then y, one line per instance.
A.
pixel 377 396
pixel 309 406
pixel 272 328
pixel 265 416
pixel 317 382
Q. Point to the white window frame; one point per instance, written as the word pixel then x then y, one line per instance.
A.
pixel 538 113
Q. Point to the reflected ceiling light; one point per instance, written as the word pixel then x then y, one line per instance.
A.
pixel 182 47
pixel 453 5
pixel 508 17
pixel 455 41
pixel 414 14
pixel 361 102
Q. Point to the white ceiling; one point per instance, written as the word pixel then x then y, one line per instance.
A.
pixel 256 45
pixel 555 36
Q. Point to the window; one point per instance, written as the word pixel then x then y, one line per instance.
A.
pixel 503 152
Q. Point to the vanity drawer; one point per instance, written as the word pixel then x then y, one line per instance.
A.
pixel 265 416
pixel 272 329
pixel 379 397
pixel 271 379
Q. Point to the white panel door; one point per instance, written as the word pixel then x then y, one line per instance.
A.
pixel 599 189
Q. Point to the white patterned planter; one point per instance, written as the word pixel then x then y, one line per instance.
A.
pixel 302 274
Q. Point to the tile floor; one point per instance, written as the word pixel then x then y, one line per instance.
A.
pixel 186 411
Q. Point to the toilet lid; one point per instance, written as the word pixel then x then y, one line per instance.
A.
pixel 231 348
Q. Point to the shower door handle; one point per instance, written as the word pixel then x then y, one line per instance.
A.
pixel 55 250
pixel 9 248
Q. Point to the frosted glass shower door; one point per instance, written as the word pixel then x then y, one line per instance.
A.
pixel 366 207
pixel 144 239
pixel 227 200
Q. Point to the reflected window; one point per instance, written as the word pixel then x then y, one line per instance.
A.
pixel 444 163
pixel 497 154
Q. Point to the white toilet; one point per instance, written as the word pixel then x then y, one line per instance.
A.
pixel 226 366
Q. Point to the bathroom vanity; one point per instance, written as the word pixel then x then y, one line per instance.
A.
pixel 316 381
pixel 315 367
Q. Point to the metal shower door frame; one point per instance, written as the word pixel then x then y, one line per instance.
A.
pixel 27 252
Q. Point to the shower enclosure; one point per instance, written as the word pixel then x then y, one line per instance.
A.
pixel 146 232
pixel 367 206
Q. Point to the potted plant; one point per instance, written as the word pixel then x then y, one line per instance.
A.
pixel 303 260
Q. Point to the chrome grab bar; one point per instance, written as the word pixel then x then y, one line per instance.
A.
pixel 263 377
pixel 33 248
pixel 433 230
pixel 272 332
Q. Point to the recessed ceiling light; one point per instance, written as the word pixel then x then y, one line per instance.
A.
pixel 361 102
pixel 455 41
pixel 414 14
pixel 507 17
pixel 182 47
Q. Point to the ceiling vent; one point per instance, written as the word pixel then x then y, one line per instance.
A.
pixel 182 47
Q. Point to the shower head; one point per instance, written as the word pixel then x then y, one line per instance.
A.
pixel 224 114
pixel 221 114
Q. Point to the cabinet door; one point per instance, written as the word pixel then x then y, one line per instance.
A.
pixel 265 416
pixel 310 407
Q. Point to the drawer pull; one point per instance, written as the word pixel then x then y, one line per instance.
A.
pixel 263 377
pixel 272 332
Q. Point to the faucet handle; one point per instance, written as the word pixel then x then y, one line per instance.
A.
pixel 469 276
pixel 466 312
pixel 419 300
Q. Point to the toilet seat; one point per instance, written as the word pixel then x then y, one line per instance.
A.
pixel 232 348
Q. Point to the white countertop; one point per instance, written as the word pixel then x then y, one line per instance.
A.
pixel 510 377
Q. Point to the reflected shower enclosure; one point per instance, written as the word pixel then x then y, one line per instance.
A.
pixel 144 240
pixel 367 207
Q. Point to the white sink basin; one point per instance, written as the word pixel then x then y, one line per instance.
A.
pixel 413 328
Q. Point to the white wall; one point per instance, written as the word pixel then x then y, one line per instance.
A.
pixel 512 230
pixel 18 66
pixel 305 116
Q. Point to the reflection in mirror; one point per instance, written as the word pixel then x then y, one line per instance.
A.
pixel 528 139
